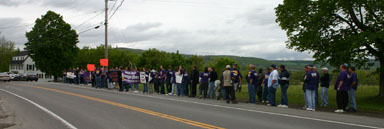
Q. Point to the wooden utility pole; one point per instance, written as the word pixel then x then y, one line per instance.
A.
pixel 106 30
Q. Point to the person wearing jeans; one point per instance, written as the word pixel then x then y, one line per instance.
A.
pixel 284 84
pixel 325 79
pixel 212 79
pixel 226 81
pixel 98 77
pixel 145 84
pixel 252 82
pixel 272 85
pixel 352 91
pixel 265 89
pixel 311 84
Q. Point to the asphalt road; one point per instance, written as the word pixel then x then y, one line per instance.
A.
pixel 35 105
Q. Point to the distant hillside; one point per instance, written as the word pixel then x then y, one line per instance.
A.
pixel 258 62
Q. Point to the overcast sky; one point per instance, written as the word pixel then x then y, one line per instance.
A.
pixel 202 27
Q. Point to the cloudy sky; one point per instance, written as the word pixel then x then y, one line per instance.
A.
pixel 202 27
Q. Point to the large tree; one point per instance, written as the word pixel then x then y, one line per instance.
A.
pixel 336 31
pixel 52 44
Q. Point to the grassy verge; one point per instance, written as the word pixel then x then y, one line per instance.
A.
pixel 366 97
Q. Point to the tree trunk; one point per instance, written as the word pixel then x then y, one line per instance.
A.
pixel 381 84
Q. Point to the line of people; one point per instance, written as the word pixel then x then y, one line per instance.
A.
pixel 178 82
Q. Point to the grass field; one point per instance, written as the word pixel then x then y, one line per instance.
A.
pixel 366 97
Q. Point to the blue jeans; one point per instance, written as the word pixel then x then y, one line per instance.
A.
pixel 223 92
pixel 324 96
pixel 145 87
pixel 211 90
pixel 179 89
pixel 252 93
pixel 272 96
pixel 352 99
pixel 265 93
pixel 136 86
pixel 64 78
pixel 184 89
pixel 284 97
pixel 311 94
pixel 98 82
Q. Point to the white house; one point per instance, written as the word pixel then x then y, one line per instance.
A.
pixel 22 64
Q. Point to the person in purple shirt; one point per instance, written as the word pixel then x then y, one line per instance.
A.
pixel 252 83
pixel 168 81
pixel 311 84
pixel 265 89
pixel 342 88
pixel 86 77
pixel 161 78
pixel 204 81
pixel 353 82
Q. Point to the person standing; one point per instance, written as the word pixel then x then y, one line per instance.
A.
pixel 86 77
pixel 136 79
pixel 265 81
pixel 317 90
pixel 354 82
pixel 194 81
pixel 185 81
pixel 168 81
pixel 151 80
pixel 342 87
pixel 77 78
pixel 325 80
pixel 284 84
pixel 64 76
pixel 162 76
pixel 226 81
pixel 204 80
pixel 273 84
pixel 145 84
pixel 121 88
pixel 252 82
pixel 93 77
pixel 179 82
pixel 259 87
pixel 81 77
pixel 110 79
pixel 236 78
pixel 98 77
pixel 126 83
pixel 311 84
pixel 212 79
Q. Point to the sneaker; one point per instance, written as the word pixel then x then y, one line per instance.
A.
pixel 262 101
pixel 339 111
pixel 304 108
pixel 284 106
pixel 136 91
pixel 310 109
pixel 269 104
pixel 279 105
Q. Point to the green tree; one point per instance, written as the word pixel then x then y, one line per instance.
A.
pixel 52 44
pixel 176 59
pixel 194 60
pixel 221 63
pixel 7 51
pixel 153 58
pixel 336 31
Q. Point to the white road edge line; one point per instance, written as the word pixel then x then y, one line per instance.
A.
pixel 241 109
pixel 66 123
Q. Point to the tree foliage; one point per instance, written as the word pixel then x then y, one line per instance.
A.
pixel 153 58
pixel 52 44
pixel 336 31
pixel 7 51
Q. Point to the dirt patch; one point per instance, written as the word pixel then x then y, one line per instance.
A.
pixel 3 116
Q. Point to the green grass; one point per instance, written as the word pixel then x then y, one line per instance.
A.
pixel 366 97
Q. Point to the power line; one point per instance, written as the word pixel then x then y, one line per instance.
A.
pixel 88 20
pixel 121 3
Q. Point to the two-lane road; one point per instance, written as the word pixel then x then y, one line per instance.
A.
pixel 52 105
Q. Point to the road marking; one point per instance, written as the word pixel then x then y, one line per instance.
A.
pixel 242 109
pixel 178 119
pixel 66 123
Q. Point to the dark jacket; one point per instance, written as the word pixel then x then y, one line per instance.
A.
pixel 195 76
pixel 260 78
pixel 284 77
pixel 325 80
pixel 213 76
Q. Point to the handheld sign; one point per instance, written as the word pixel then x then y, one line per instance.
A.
pixel 103 62
pixel 142 77
pixel 91 67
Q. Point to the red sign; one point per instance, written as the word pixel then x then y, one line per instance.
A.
pixel 103 62
pixel 91 67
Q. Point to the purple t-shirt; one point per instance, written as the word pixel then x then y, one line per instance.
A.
pixel 204 77
pixel 354 79
pixel 343 76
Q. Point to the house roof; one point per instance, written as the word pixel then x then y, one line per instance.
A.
pixel 22 53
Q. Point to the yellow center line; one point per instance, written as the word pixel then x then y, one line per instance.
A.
pixel 153 113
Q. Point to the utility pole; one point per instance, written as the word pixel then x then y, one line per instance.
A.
pixel 106 30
